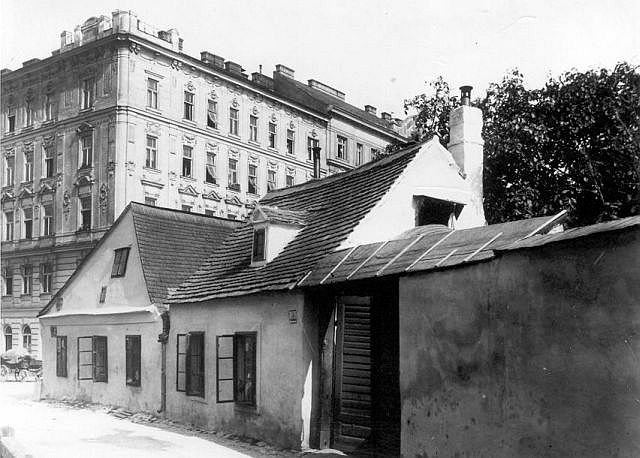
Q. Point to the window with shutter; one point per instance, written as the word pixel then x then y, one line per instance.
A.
pixel 100 367
pixel 181 362
pixel 85 358
pixel 132 351
pixel 195 364
pixel 61 356
pixel 236 368
pixel 224 369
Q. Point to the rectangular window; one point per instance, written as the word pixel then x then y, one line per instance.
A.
pixel 29 115
pixel 186 208
pixel 86 93
pixel 85 214
pixel 232 176
pixel 152 93
pixel 47 220
pixel 85 358
pixel 49 161
pixel 8 226
pixel 271 180
pixel 120 257
pixel 233 121
pixel 311 143
pixel 100 360
pixel 273 131
pixel 48 108
pixel 342 148
pixel 133 357
pixel 103 295
pixel 236 368
pixel 188 105
pixel 46 278
pixel 253 128
pixel 152 152
pixel 181 362
pixel 7 273
pixel 359 153
pixel 150 201
pixel 11 120
pixel 259 245
pixel 9 167
pixel 291 142
pixel 187 158
pixel 86 146
pixel 290 180
pixel 195 364
pixel 27 279
pixel 61 356
pixel 252 179
pixel 210 172
pixel 28 166
pixel 212 114
pixel 27 223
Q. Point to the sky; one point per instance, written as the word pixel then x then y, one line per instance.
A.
pixel 377 52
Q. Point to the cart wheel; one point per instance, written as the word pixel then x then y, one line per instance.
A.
pixel 3 371
pixel 21 375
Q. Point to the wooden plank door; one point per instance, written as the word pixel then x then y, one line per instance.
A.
pixel 352 388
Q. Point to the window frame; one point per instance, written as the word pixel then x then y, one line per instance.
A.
pixel 252 179
pixel 46 278
pixel 259 240
pixel 253 128
pixel 9 170
pixel 7 277
pixel 27 279
pixel 9 226
pixel 311 143
pixel 11 120
pixel 272 185
pixel 27 223
pixel 133 358
pixel 47 220
pixel 28 166
pixel 85 213
pixel 189 105
pixel 152 93
pixel 26 337
pixel 212 114
pixel 104 376
pixel 87 89
pixel 190 389
pixel 273 135
pixel 182 354
pixel 79 352
pixel 232 174
pixel 236 340
pixel 120 259
pixel 8 337
pixel 291 142
pixel 48 162
pixel 234 121
pixel 342 148
pixel 86 150
pixel 151 155
pixel 61 356
pixel 210 168
pixel 290 180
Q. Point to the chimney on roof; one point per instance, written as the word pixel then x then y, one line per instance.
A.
pixel 386 116
pixel 233 67
pixel 315 84
pixel 370 109
pixel 262 80
pixel 285 71
pixel 466 147
pixel 316 162
pixel 212 60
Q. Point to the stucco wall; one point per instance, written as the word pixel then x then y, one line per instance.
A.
pixel 115 391
pixel 282 366
pixel 534 354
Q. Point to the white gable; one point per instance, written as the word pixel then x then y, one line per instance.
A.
pixel 433 173
pixel 83 291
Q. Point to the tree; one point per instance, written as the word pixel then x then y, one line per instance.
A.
pixel 573 144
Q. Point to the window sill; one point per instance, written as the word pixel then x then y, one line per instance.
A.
pixel 182 177
pixel 255 143
pixel 27 128
pixel 7 134
pixel 197 398
pixel 271 148
pixel 45 294
pixel 214 129
pixel 245 408
pixel 236 136
pixel 48 121
pixel 26 295
pixel 26 182
pixel 153 110
pixel 233 188
pixel 151 169
pixel 190 122
pixel 211 183
pixel 253 194
pixel 87 109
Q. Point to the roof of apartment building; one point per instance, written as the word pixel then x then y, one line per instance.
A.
pixel 333 206
pixel 172 244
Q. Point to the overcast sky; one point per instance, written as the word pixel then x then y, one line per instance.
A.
pixel 376 51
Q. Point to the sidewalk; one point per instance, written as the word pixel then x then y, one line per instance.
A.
pixel 43 429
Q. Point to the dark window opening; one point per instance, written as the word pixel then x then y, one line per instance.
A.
pixel 259 245
pixel 236 368
pixel 92 358
pixel 61 356
pixel 434 211
pixel 121 255
pixel 195 364
pixel 133 351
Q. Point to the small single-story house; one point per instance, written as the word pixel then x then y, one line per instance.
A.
pixel 104 332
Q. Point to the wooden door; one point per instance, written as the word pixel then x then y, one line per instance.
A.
pixel 352 425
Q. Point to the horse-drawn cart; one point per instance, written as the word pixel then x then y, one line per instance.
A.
pixel 18 364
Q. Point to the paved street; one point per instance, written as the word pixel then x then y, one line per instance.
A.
pixel 50 430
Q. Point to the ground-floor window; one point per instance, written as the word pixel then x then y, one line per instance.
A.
pixel 61 356
pixel 26 337
pixel 132 349
pixel 8 338
pixel 190 364
pixel 92 358
pixel 236 368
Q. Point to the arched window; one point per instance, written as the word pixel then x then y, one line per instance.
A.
pixel 26 337
pixel 8 338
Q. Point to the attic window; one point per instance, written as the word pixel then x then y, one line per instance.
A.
pixel 435 211
pixel 120 262
pixel 259 241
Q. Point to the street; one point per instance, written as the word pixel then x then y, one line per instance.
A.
pixel 44 429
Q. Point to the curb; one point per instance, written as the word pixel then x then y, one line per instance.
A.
pixel 9 447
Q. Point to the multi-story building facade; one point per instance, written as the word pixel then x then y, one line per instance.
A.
pixel 119 113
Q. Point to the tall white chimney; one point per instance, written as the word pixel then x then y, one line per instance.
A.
pixel 465 145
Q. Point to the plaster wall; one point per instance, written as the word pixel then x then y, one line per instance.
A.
pixel 533 354
pixel 354 135
pixel 115 391
pixel 283 365
pixel 434 173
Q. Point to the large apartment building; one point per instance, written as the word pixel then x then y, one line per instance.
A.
pixel 119 113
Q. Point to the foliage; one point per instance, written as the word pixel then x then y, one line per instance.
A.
pixel 573 144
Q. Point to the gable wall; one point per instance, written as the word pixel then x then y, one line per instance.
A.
pixel 532 354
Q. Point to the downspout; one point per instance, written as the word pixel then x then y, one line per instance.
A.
pixel 163 338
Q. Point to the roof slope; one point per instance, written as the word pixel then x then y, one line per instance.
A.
pixel 173 244
pixel 423 248
pixel 325 103
pixel 334 206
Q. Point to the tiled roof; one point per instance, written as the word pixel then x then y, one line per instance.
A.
pixel 334 205
pixel 325 103
pixel 283 215
pixel 577 232
pixel 173 244
pixel 425 249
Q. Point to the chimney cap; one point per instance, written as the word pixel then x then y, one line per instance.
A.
pixel 465 94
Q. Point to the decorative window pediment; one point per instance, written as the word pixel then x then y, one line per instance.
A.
pixel 212 195
pixel 188 190
pixel 47 186
pixel 8 195
pixel 84 128
pixel 233 200
pixel 25 192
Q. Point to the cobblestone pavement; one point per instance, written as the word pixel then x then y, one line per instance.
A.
pixel 63 429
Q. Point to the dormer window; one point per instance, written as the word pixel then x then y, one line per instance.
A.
pixel 259 241
pixel 430 210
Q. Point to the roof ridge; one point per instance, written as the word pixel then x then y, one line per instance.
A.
pixel 168 210
pixel 344 175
